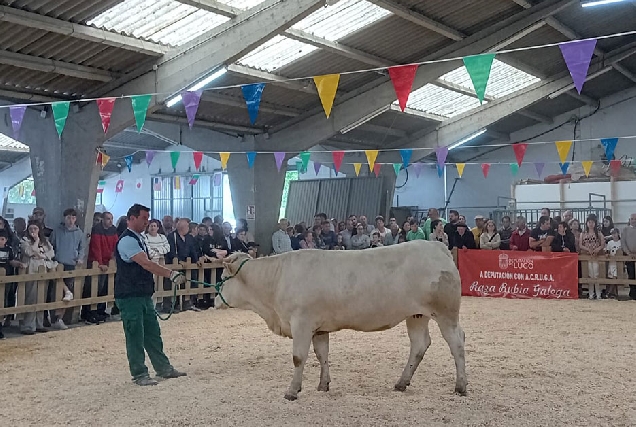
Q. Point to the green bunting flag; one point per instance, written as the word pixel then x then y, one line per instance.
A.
pixel 140 105
pixel 174 158
pixel 299 167
pixel 304 158
pixel 60 114
pixel 478 67
pixel 396 168
pixel 514 168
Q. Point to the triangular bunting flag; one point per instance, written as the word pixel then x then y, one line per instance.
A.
pixel 156 184
pixel 98 161
pixel 376 169
pixel 520 152
pixel 299 166
pixel 105 159
pixel 478 68
pixel 60 114
pixel 140 105
pixel 17 115
pixel 139 183
pixel 485 167
pixel 105 107
pixel 33 193
pixel 564 167
pixel 440 171
pixel 252 95
pixel 304 158
pixel 129 161
pixel 402 77
pixel 337 159
pixel 194 179
pixel 150 154
pixel 119 187
pixel 279 156
pixel 615 167
pixel 441 153
pixel 251 156
pixel 609 144
pixel 417 167
pixel 406 157
pixel 539 168
pixel 225 156
pixel 396 168
pixel 563 148
pixel 177 183
pixel 174 158
pixel 327 87
pixel 371 156
pixel 577 55
pixel 218 179
pixel 514 168
pixel 460 168
pixel 191 103
pixel 356 167
pixel 317 166
pixel 587 166
pixel 197 156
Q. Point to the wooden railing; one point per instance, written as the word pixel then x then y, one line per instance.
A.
pixel 44 278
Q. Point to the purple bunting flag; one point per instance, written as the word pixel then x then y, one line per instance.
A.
pixel 577 55
pixel 441 153
pixel 191 104
pixel 17 114
pixel 539 167
pixel 418 169
pixel 218 179
pixel 150 155
pixel 279 156
pixel 317 167
pixel 252 94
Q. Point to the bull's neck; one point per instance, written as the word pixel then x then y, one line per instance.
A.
pixel 259 276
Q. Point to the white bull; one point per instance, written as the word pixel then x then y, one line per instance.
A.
pixel 305 295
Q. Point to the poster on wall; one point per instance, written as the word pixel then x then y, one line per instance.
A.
pixel 523 275
pixel 251 213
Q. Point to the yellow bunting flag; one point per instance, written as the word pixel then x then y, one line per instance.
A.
pixel 587 167
pixel 105 159
pixel 177 183
pixel 327 86
pixel 371 156
pixel 563 148
pixel 224 158
pixel 357 167
pixel 460 168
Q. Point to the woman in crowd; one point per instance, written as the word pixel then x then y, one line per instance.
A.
pixel 308 240
pixel 564 240
pixel 592 244
pixel 241 244
pixel 360 240
pixel 406 227
pixel 438 232
pixel 241 224
pixel 490 238
pixel 122 225
pixel 606 229
pixel 156 241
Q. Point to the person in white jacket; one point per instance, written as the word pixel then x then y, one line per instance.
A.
pixel 156 242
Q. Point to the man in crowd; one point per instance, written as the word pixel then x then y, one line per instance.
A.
pixel 227 234
pixel 478 229
pixel 433 214
pixel 20 228
pixel 505 232
pixel 568 216
pixel 462 239
pixel 329 238
pixel 542 236
pixel 182 247
pixel 347 233
pixel 134 286
pixel 520 238
pixel 367 228
pixel 380 228
pixel 40 216
pixel 628 244
pixel 392 237
pixel 450 227
pixel 546 212
pixel 168 224
pixel 281 242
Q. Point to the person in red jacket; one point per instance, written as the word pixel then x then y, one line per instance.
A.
pixel 101 249
pixel 520 239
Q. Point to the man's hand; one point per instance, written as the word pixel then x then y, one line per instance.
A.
pixel 79 262
pixel 103 268
pixel 200 263
pixel 177 278
pixel 566 250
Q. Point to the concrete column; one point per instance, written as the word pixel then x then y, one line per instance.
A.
pixel 262 187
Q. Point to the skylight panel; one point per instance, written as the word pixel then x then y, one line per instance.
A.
pixel 276 53
pixel 163 21
pixel 241 4
pixel 440 101
pixel 10 144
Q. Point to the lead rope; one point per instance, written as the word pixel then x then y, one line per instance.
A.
pixel 218 287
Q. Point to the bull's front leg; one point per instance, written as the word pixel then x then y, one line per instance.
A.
pixel 301 335
pixel 321 348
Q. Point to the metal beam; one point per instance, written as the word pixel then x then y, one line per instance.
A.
pixel 428 116
pixel 304 134
pixel 536 116
pixel 262 76
pixel 167 118
pixel 51 66
pixel 82 32
pixel 213 6
pixel 382 130
pixel 231 101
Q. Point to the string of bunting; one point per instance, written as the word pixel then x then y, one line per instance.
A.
pixel 576 54
pixel 562 148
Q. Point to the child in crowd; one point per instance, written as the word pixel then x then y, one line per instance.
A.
pixel 375 240
pixel 592 243
pixel 612 248
pixel 8 263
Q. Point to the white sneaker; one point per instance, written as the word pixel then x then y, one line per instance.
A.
pixel 60 325
pixel 68 296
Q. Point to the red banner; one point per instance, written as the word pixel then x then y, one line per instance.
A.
pixel 513 274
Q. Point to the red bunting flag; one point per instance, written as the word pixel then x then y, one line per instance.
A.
pixel 198 157
pixel 98 161
pixel 105 107
pixel 402 77
pixel 337 159
pixel 119 187
pixel 485 167
pixel 520 152
pixel 376 169
pixel 615 167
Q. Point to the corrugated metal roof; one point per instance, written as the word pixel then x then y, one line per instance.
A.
pixel 68 10
pixel 163 21
pixel 331 23
pixel 442 102
pixel 10 144
pixel 241 4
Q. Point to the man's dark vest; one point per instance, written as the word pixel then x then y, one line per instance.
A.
pixel 131 279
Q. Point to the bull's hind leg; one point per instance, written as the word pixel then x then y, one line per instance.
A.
pixel 455 337
pixel 302 336
pixel 321 348
pixel 417 327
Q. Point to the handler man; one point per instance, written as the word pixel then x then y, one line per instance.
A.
pixel 134 286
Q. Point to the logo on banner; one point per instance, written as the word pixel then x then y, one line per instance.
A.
pixel 503 261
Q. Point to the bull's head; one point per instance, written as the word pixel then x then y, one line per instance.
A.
pixel 233 288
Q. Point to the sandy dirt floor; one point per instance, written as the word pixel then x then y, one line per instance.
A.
pixel 530 363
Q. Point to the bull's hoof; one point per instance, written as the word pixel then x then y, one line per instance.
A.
pixel 323 387
pixel 400 387
pixel 291 397
pixel 461 391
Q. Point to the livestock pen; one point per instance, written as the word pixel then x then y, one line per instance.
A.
pixel 529 362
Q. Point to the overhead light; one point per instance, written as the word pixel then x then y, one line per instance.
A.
pixel 364 119
pixel 465 140
pixel 593 3
pixel 200 85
